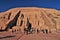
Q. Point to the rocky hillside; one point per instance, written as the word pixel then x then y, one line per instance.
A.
pixel 39 18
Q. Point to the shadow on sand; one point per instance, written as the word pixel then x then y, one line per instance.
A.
pixel 6 37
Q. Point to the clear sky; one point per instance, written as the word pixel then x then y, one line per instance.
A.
pixel 7 4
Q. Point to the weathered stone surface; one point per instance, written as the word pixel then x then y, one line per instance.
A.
pixel 40 18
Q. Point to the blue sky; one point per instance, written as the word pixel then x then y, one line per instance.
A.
pixel 8 4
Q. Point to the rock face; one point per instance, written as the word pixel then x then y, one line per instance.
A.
pixel 40 18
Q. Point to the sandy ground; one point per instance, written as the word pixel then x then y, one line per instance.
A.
pixel 35 36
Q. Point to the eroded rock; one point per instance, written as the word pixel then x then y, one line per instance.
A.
pixel 40 18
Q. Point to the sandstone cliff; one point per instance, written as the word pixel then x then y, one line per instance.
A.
pixel 40 18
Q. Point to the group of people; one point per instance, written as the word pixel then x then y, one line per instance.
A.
pixel 28 29
pixel 45 31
